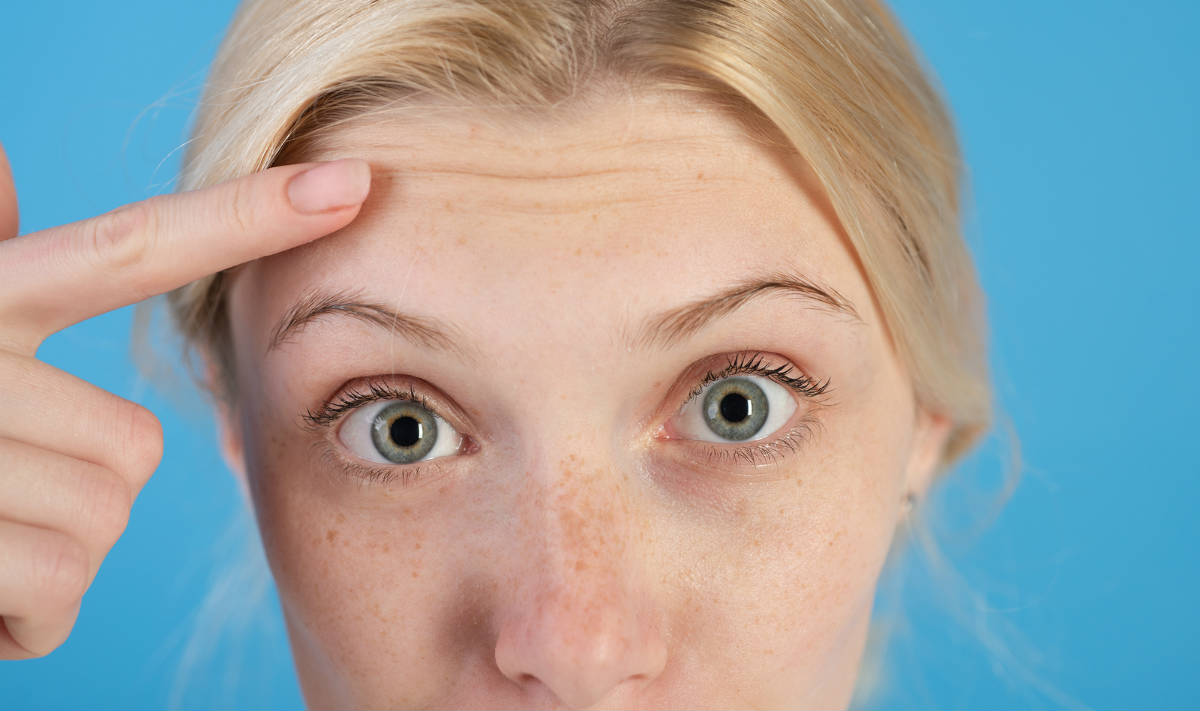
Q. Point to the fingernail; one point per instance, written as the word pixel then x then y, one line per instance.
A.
pixel 330 186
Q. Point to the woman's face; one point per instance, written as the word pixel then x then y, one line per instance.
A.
pixel 587 412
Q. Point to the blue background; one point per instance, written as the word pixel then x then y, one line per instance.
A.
pixel 1079 122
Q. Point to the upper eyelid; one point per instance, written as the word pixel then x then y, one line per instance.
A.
pixel 756 363
pixel 335 409
pixel 425 393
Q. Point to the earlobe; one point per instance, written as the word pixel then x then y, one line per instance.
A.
pixel 231 441
pixel 929 442
pixel 229 431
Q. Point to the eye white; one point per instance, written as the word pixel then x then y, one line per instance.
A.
pixel 781 404
pixel 355 434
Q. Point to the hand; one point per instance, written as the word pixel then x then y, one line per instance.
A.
pixel 74 457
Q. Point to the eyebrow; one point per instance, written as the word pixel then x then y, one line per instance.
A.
pixel 316 304
pixel 661 330
pixel 675 325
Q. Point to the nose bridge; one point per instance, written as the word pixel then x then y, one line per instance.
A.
pixel 581 620
pixel 587 515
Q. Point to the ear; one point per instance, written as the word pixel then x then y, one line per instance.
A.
pixel 932 430
pixel 230 433
pixel 229 429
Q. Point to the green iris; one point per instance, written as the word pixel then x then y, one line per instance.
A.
pixel 404 432
pixel 735 409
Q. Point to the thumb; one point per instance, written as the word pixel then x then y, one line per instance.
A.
pixel 8 199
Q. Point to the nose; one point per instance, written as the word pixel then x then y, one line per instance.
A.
pixel 581 623
pixel 581 650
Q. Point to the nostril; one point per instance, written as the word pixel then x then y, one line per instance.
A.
pixel 578 660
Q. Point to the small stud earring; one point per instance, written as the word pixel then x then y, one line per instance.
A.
pixel 907 503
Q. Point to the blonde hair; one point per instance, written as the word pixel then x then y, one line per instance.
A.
pixel 836 78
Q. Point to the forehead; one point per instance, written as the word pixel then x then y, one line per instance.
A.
pixel 641 201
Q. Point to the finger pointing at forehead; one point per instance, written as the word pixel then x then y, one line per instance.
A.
pixel 57 277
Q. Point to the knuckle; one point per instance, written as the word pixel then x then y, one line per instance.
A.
pixel 16 373
pixel 60 569
pixel 122 238
pixel 242 206
pixel 140 441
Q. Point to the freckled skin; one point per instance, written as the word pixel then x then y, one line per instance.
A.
pixel 573 559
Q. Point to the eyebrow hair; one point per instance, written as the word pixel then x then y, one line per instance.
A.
pixel 318 304
pixel 674 325
pixel 661 330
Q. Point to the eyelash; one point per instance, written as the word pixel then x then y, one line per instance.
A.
pixel 755 364
pixel 348 400
pixel 352 399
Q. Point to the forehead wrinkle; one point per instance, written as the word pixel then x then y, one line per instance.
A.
pixel 393 173
pixel 596 190
pixel 641 160
pixel 465 133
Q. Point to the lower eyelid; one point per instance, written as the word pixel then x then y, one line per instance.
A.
pixel 369 474
pixel 767 452
pixel 405 475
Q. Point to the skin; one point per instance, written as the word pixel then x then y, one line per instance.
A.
pixel 580 550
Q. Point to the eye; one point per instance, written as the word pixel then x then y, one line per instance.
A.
pixel 736 409
pixel 398 432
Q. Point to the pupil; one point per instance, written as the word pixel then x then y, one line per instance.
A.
pixel 405 431
pixel 734 407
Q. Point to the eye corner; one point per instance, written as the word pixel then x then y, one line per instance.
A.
pixel 311 421
pixel 468 445
pixel 662 433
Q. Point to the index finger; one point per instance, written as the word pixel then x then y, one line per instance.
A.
pixel 56 277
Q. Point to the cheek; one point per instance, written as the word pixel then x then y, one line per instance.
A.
pixel 789 579
pixel 787 584
pixel 363 591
